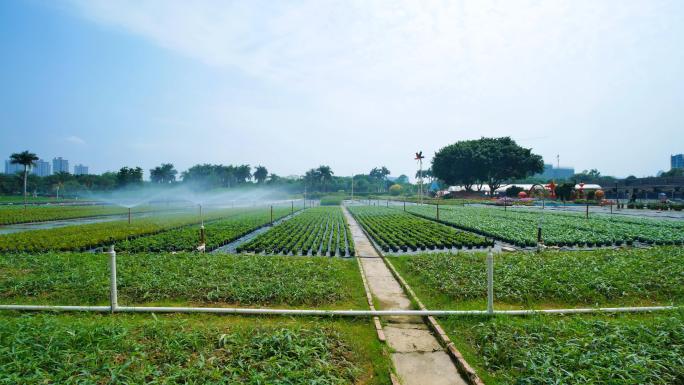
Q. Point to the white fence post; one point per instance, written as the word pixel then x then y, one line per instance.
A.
pixel 490 282
pixel 113 295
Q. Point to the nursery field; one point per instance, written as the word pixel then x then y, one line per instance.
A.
pixel 395 230
pixel 316 231
pixel 157 266
pixel 588 349
pixel 630 277
pixel 89 236
pixel 17 214
pixel 182 279
pixel 218 233
pixel 170 349
pixel 565 229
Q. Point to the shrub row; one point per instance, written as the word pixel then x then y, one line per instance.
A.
pixel 316 231
pixel 520 227
pixel 395 230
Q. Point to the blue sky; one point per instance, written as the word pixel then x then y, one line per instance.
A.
pixel 352 84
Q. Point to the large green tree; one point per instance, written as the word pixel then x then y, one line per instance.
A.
pixel 380 174
pixel 26 159
pixel 489 161
pixel 128 176
pixel 166 173
pixel 461 163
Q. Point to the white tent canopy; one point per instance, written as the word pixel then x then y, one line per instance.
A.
pixel 525 187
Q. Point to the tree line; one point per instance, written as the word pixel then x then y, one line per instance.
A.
pixel 321 179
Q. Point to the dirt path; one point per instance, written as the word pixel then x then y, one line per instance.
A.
pixel 417 356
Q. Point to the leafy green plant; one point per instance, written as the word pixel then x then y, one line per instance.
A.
pixel 394 230
pixel 14 215
pixel 83 279
pixel 90 236
pixel 62 349
pixel 600 277
pixel 316 231
pixel 519 227
pixel 218 233
pixel 551 349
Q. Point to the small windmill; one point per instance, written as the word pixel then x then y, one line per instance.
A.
pixel 419 158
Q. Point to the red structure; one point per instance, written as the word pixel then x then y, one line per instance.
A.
pixel 552 187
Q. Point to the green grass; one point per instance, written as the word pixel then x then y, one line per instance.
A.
pixel 172 349
pixel 184 278
pixel 332 200
pixel 548 279
pixel 588 349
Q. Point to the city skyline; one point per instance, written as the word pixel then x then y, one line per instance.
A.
pixel 42 167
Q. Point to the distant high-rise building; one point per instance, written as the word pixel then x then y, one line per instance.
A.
pixel 42 168
pixel 60 165
pixel 551 172
pixel 677 161
pixel 80 169
pixel 12 168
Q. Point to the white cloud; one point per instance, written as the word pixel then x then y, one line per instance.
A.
pixel 433 71
pixel 419 46
pixel 75 140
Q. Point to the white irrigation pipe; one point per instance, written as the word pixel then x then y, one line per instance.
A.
pixel 318 312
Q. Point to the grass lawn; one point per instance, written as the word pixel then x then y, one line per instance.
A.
pixel 581 349
pixel 550 279
pixel 188 349
pixel 183 279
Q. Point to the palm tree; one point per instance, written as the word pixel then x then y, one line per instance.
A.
pixel 312 178
pixel 260 174
pixel 26 159
pixel 325 173
pixel 243 173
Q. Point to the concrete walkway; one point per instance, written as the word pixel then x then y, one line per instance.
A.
pixel 417 356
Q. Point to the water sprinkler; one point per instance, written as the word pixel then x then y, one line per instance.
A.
pixel 200 215
pixel 129 215
pixel 203 239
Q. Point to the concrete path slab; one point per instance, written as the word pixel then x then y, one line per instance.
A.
pixel 407 340
pixel 417 356
pixel 420 368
